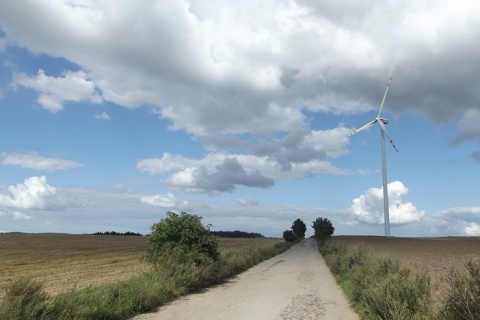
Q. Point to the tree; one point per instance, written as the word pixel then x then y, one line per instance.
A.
pixel 289 236
pixel 183 237
pixel 299 228
pixel 323 228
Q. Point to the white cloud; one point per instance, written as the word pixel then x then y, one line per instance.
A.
pixel 462 212
pixel 368 207
pixel 34 193
pixel 224 177
pixel 17 215
pixel 163 200
pixel 245 202
pixel 472 229
pixel 300 153
pixel 55 91
pixel 102 116
pixel 221 172
pixel 464 221
pixel 255 68
pixel 38 162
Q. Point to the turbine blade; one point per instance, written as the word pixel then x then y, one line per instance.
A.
pixel 385 95
pixel 384 129
pixel 368 125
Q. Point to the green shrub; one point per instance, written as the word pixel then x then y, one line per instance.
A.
pixel 463 299
pixel 323 228
pixel 289 236
pixel 184 237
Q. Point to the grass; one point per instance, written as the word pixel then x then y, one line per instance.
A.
pixel 27 298
pixel 381 287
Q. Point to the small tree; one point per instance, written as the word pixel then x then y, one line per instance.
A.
pixel 323 228
pixel 183 237
pixel 299 228
pixel 289 236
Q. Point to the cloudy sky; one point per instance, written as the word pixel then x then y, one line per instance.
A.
pixel 114 112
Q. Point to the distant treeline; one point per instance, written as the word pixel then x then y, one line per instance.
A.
pixel 114 233
pixel 237 234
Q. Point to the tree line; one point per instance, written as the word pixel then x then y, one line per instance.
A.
pixel 237 234
pixel 114 233
pixel 322 227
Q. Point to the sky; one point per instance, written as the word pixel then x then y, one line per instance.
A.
pixel 115 112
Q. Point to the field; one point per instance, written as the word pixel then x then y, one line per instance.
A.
pixel 437 255
pixel 65 262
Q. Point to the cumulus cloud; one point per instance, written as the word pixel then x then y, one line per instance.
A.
pixel 221 172
pixel 368 207
pixel 301 146
pixel 462 212
pixel 222 178
pixel 55 91
pixel 163 201
pixel 38 162
pixel 301 153
pixel 472 229
pixel 246 68
pixel 33 193
pixel 463 221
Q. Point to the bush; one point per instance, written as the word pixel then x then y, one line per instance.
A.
pixel 184 237
pixel 463 299
pixel 289 236
pixel 323 228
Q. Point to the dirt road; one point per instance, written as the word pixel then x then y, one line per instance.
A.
pixel 294 285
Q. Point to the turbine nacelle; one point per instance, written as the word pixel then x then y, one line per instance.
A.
pixel 385 121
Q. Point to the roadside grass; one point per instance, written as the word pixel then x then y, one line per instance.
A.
pixel 25 298
pixel 380 287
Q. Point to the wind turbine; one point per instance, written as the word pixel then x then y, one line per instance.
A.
pixel 382 122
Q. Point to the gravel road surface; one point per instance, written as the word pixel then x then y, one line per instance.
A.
pixel 295 285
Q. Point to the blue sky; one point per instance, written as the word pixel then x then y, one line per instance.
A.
pixel 114 113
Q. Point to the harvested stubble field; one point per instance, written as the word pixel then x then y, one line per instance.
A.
pixel 66 262
pixel 437 255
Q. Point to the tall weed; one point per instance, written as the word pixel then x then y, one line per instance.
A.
pixel 463 299
pixel 24 299
pixel 379 287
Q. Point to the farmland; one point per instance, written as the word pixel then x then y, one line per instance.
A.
pixel 436 255
pixel 65 262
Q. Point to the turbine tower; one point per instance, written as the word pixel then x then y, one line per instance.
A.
pixel 383 130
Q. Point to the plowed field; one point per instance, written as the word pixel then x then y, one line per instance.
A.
pixel 66 262
pixel 437 255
